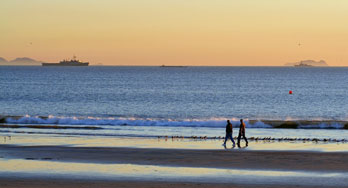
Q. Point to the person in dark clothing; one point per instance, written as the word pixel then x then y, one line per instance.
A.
pixel 242 133
pixel 229 131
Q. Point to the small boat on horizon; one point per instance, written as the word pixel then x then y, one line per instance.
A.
pixel 71 62
pixel 173 66
pixel 303 65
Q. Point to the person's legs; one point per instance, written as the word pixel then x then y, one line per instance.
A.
pixel 238 141
pixel 231 137
pixel 226 137
pixel 246 140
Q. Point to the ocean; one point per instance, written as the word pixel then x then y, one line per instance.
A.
pixel 175 101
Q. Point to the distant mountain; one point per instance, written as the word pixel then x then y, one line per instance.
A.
pixel 320 63
pixel 3 60
pixel 21 61
pixel 25 60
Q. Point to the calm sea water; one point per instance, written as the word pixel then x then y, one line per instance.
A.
pixel 185 97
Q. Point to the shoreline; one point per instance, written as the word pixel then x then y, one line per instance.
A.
pixel 164 142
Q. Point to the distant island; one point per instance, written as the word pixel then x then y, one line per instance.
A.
pixel 20 61
pixel 308 63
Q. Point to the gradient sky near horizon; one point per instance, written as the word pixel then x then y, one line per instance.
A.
pixel 176 32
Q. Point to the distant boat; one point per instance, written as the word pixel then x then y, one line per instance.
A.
pixel 72 62
pixel 303 65
pixel 172 66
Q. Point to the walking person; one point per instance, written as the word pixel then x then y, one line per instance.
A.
pixel 242 133
pixel 229 131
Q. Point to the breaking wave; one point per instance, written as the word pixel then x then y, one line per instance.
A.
pixel 212 122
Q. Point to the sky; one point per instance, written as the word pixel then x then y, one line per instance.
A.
pixel 176 32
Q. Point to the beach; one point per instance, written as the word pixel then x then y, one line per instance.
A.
pixel 57 183
pixel 69 165
pixel 240 159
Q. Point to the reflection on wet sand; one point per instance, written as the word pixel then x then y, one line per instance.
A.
pixel 36 168
pixel 191 160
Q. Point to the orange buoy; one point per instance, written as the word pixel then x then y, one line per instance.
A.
pixel 290 92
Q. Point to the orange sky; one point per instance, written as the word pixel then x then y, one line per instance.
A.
pixel 176 32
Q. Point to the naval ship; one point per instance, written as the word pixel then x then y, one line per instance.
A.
pixel 72 62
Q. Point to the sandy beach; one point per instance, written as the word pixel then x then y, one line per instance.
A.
pixel 59 183
pixel 191 167
pixel 39 160
pixel 266 160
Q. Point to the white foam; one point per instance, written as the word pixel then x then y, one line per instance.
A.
pixel 131 121
pixel 27 119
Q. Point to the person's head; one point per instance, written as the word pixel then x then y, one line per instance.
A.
pixel 228 121
pixel 241 120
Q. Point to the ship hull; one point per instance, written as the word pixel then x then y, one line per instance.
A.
pixel 64 65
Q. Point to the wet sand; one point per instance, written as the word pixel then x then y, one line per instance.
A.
pixel 166 143
pixel 233 158
pixel 174 154
pixel 65 183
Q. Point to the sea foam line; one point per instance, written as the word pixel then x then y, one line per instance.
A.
pixel 27 119
pixel 212 122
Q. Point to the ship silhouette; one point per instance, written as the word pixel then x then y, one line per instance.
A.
pixel 65 62
pixel 303 65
